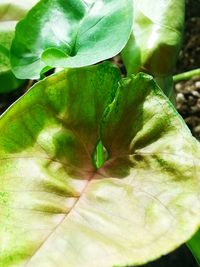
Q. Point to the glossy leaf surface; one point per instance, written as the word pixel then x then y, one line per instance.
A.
pixel 155 41
pixel 70 34
pixel 10 13
pixel 57 209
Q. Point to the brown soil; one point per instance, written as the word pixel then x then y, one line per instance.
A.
pixel 188 93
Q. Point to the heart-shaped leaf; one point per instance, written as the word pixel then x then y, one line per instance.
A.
pixel 70 34
pixel 57 209
pixel 10 12
pixel 155 41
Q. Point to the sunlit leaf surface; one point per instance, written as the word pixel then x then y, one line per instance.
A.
pixel 57 209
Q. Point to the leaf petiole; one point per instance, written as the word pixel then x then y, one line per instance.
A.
pixel 186 75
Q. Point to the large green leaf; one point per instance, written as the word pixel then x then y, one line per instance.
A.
pixel 57 209
pixel 10 13
pixel 194 245
pixel 155 41
pixel 70 34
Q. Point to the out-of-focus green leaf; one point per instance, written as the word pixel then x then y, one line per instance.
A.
pixel 155 41
pixel 8 82
pixel 70 34
pixel 10 13
pixel 15 10
pixel 57 209
pixel 194 245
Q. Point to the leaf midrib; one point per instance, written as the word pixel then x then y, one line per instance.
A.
pixel 63 219
pixel 75 42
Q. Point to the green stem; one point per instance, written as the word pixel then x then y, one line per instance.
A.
pixel 186 75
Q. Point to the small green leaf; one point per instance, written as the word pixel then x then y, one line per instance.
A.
pixel 99 155
pixel 10 12
pixel 194 245
pixel 155 41
pixel 58 209
pixel 70 34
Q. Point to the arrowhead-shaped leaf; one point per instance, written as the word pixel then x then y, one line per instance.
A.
pixel 10 13
pixel 155 41
pixel 70 34
pixel 57 209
